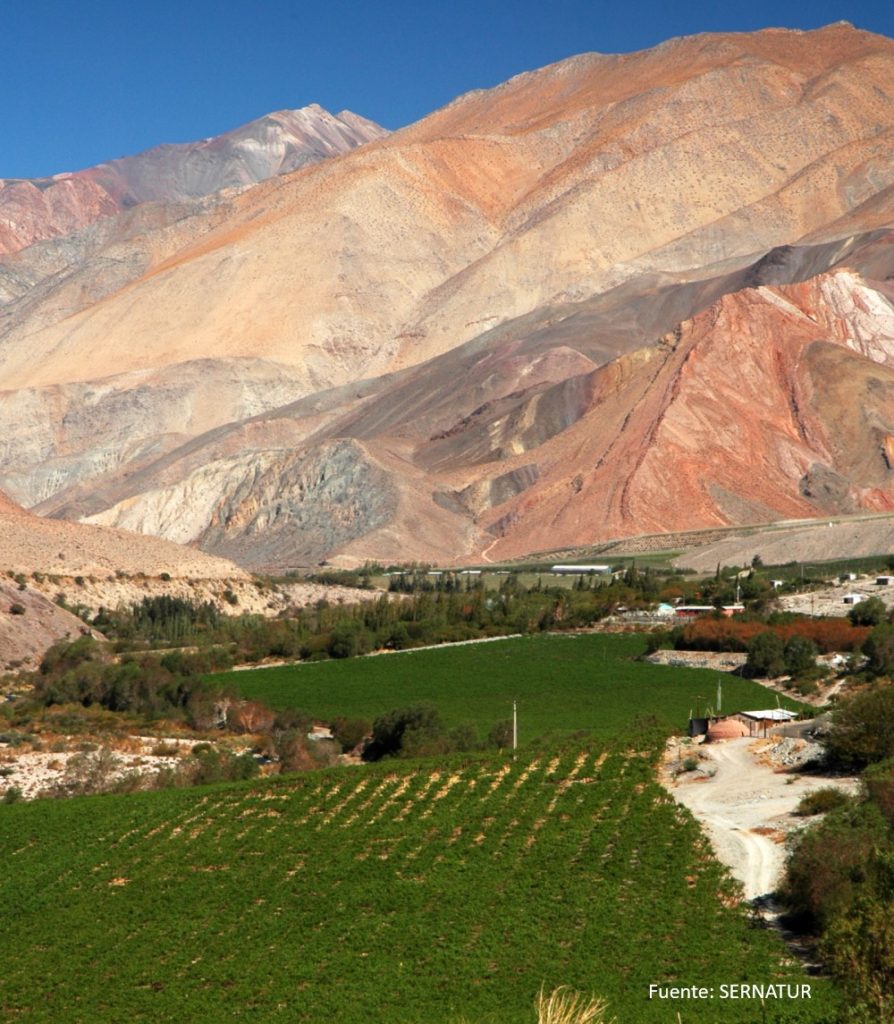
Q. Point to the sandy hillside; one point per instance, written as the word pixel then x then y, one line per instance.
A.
pixel 30 544
pixel 776 545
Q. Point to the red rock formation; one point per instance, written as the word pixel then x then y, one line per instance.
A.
pixel 727 420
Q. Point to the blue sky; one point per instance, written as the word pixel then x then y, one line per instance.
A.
pixel 92 80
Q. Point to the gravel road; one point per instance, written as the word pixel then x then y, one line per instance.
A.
pixel 746 809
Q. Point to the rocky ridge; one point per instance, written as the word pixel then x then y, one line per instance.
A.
pixel 42 208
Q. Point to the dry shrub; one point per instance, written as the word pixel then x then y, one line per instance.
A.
pixel 829 634
pixel 249 716
pixel 166 748
pixel 566 1006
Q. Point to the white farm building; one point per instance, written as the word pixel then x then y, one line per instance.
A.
pixel 565 570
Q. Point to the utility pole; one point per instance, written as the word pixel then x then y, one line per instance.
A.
pixel 514 728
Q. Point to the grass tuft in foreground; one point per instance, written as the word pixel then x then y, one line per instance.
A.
pixel 565 1006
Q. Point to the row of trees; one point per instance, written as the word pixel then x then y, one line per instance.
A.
pixel 769 656
pixel 839 880
pixel 173 687
pixel 441 615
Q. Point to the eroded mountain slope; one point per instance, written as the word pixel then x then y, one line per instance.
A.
pixel 618 294
pixel 773 401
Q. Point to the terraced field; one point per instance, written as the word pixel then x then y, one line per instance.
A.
pixel 562 683
pixel 399 893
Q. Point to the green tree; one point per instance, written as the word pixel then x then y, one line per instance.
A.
pixel 870 612
pixel 350 732
pixel 766 656
pixel 879 651
pixel 500 734
pixel 863 728
pixel 402 729
pixel 800 655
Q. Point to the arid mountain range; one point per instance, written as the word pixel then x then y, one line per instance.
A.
pixel 618 295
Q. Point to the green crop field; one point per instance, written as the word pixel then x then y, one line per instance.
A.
pixel 562 683
pixel 402 893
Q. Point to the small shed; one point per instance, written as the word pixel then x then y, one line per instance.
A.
pixel 691 611
pixel 320 732
pixel 573 570
pixel 884 581
pixel 853 598
pixel 759 723
pixel 846 577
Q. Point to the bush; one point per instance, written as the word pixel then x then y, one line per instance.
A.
pixel 820 801
pixel 840 879
pixel 500 735
pixel 87 773
pixel 402 729
pixel 350 732
pixel 799 655
pixel 292 750
pixel 828 864
pixel 879 782
pixel 12 795
pixel 166 749
pixel 658 639
pixel 807 687
pixel 349 639
pixel 879 651
pixel 250 716
pixel 863 728
pixel 766 656
pixel 16 609
pixel 870 612
pixel 212 765
pixel 859 948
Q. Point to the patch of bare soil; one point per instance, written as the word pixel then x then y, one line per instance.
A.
pixel 829 600
pixel 720 661
pixel 40 772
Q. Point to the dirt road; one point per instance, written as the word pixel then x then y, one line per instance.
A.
pixel 746 810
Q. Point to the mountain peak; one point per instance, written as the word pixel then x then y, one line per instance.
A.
pixel 45 208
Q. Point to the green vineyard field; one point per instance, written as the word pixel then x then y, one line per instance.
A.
pixel 562 683
pixel 402 892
